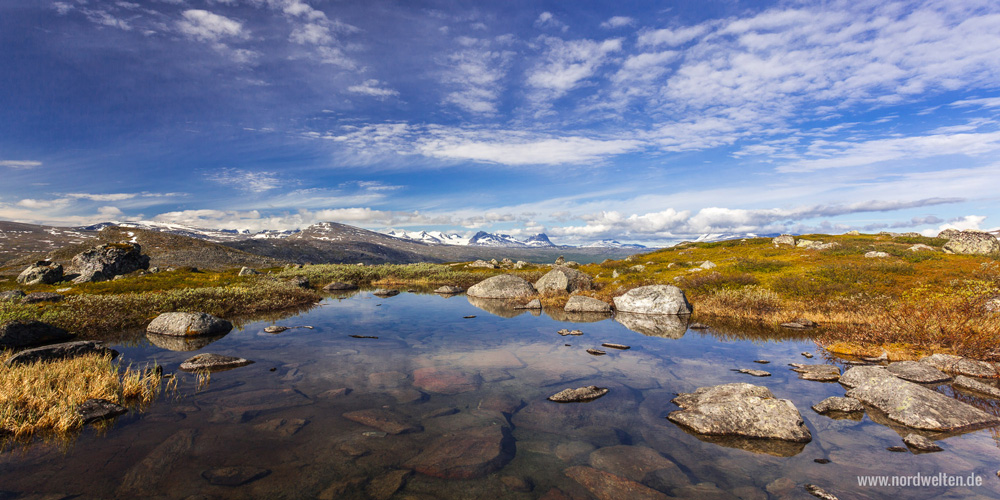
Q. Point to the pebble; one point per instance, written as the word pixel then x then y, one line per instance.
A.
pixel 823 461
pixel 897 449
pixel 755 373
pixel 363 336
pixel 469 316
pixel 807 354
pixel 596 352
pixel 616 346
pixel 761 361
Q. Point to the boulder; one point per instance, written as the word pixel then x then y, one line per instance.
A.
pixel 42 272
pixel 385 292
pixel 106 261
pixel 93 410
pixel 972 243
pixel 785 239
pixel 339 285
pixel 580 303
pixel 212 362
pixel 481 263
pixel 449 290
pixel 971 384
pixel 246 271
pixel 876 255
pixel 504 286
pixel 963 366
pixel 911 404
pixel 949 233
pixel 188 324
pixel 915 371
pixel 838 404
pixel 25 333
pixel 654 299
pixel 742 410
pixel 65 350
pixel 563 279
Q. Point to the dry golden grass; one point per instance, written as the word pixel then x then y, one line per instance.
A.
pixel 42 397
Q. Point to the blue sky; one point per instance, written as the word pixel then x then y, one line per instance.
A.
pixel 640 121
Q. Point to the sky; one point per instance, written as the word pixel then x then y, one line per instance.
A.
pixel 648 122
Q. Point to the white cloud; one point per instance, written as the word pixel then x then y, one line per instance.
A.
pixel 43 204
pixel 618 22
pixel 373 88
pixel 986 102
pixel 671 37
pixel 567 64
pixel 547 20
pixel 20 164
pixel 309 33
pixel 476 73
pixel 208 27
pixel 245 180
pixel 102 197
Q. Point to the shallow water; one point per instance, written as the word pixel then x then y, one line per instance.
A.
pixel 453 377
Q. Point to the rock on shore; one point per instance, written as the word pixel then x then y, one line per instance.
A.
pixel 504 286
pixel 654 299
pixel 188 323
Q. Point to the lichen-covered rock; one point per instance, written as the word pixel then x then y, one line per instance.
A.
pixel 41 272
pixel 578 395
pixel 654 299
pixel 972 243
pixel 504 286
pixel 563 279
pixel 106 261
pixel 188 324
pixel 911 404
pixel 212 362
pixel 964 366
pixel 819 373
pixel 914 371
pixel 838 404
pixel 22 333
pixel 580 303
pixel 785 239
pixel 971 384
pixel 739 409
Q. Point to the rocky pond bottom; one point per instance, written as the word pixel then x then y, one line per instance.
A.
pixel 426 396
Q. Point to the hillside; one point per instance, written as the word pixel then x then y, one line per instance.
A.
pixel 20 241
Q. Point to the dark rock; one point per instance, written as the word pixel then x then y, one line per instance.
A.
pixel 820 493
pixel 822 461
pixel 282 426
pixel 106 261
pixel 821 373
pixel 761 361
pixel 469 316
pixel 580 303
pixel 755 373
pixel 60 351
pixel 188 324
pixel 212 362
pixel 920 443
pixel 363 336
pixel 838 404
pixel 914 371
pixel 963 366
pixel 385 485
pixel 299 281
pixel 36 297
pixel 911 404
pixel 784 239
pixel 234 476
pixel 383 420
pixel 22 333
pixel 244 406
pixel 449 290
pixel 93 410
pixel 385 292
pixel 578 395
pixel 11 295
pixel 465 453
pixel 504 286
pixel 607 486
pixel 620 347
pixel 800 323
pixel 897 449
pixel 518 484
pixel 42 272
pixel 563 279
pixel 444 381
pixel 971 384
pixel 740 409
pixel 671 326
pixel 654 299
pixel 808 355
pixel 340 286
pixel 596 352
pixel 971 242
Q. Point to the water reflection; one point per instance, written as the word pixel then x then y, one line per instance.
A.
pixel 497 307
pixel 669 326
pixel 576 317
pixel 176 343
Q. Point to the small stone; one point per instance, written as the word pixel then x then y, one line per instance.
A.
pixel 920 443
pixel 469 316
pixel 897 449
pixel 578 395
pixel 234 476
pixel 616 346
pixel 807 354
pixel 820 493
pixel 820 373
pixel 596 352
pixel 275 329
pixel 383 292
pixel 363 336
pixel 755 373
pixel 213 362
pixel 383 420
pixel 822 461
pixel 761 361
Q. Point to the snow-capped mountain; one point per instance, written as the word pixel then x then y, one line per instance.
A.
pixel 434 237
pixel 612 244
pixel 539 240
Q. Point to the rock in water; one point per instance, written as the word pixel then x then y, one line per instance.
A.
pixel 607 486
pixel 449 290
pixel 532 304
pixel 42 272
pixel 61 351
pixel 963 366
pixel 466 453
pixel 563 279
pixel 755 373
pixel 911 404
pixel 971 242
pixel 275 329
pixel 578 395
pixel 654 299
pixel 920 443
pixel 821 373
pixel 382 292
pixel 580 303
pixel 212 362
pixel 838 404
pixel 188 323
pixel 971 384
pixel 21 333
pixel 820 493
pixel 93 410
pixel 383 420
pixel 106 261
pixel 740 409
pixel 915 371
pixel 504 286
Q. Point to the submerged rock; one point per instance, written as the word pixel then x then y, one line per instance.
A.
pixel 504 286
pixel 911 404
pixel 672 326
pixel 444 381
pixel 740 409
pixel 607 486
pixel 188 323
pixel 914 371
pixel 578 395
pixel 755 373
pixel 275 329
pixel 654 299
pixel 920 443
pixel 213 362
pixel 820 373
pixel 963 366
pixel 466 453
pixel 24 333
pixel 820 493
pixel 183 344
pixel 234 476
pixel 383 420
pixel 65 350
pixel 580 303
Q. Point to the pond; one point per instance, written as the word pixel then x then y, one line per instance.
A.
pixel 443 405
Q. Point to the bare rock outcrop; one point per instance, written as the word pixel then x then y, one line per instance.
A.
pixel 504 286
pixel 42 272
pixel 104 262
pixel 972 243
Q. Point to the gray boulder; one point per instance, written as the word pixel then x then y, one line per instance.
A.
pixel 42 272
pixel 246 271
pixel 106 261
pixel 385 292
pixel 188 324
pixel 876 255
pixel 838 404
pixel 911 404
pixel 972 243
pixel 785 239
pixel 65 350
pixel 922 373
pixel 563 279
pixel 25 333
pixel 212 362
pixel 963 366
pixel 580 303
pixel 504 286
pixel 654 299
pixel 481 263
pixel 742 410
pixel 449 290
pixel 971 384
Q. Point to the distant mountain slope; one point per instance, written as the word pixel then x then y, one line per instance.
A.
pixel 19 240
pixel 613 244
pixel 216 235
